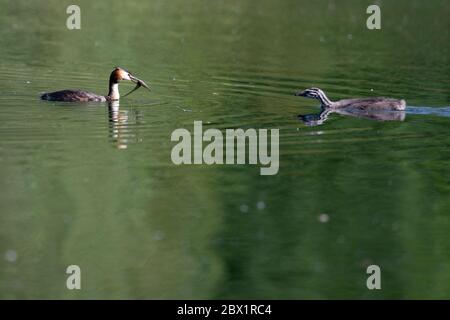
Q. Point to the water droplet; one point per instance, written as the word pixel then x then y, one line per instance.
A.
pixel 159 235
pixel 243 208
pixel 260 205
pixel 11 255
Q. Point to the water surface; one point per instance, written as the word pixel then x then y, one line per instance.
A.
pixel 95 187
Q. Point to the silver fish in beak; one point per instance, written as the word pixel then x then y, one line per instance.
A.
pixel 139 83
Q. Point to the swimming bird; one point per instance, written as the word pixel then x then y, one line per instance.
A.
pixel 366 104
pixel 117 75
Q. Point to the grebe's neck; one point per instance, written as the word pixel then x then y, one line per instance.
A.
pixel 114 91
pixel 324 99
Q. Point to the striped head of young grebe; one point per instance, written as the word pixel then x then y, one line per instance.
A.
pixel 315 93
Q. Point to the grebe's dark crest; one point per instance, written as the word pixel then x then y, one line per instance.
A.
pixel 370 104
pixel 117 75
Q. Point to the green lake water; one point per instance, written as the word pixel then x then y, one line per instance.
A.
pixel 84 185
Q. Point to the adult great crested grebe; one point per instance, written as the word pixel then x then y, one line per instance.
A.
pixel 369 104
pixel 117 75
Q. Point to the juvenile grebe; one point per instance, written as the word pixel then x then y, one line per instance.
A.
pixel 117 75
pixel 368 104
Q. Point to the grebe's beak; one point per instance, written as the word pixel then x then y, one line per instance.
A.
pixel 139 82
pixel 301 93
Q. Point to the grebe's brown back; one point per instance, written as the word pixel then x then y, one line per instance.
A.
pixel 116 76
pixel 369 104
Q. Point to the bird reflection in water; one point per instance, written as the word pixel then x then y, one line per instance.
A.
pixel 121 123
pixel 317 119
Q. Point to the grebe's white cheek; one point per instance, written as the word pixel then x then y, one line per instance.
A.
pixel 126 76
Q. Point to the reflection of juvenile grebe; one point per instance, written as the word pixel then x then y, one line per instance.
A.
pixel 369 104
pixel 316 119
pixel 117 75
